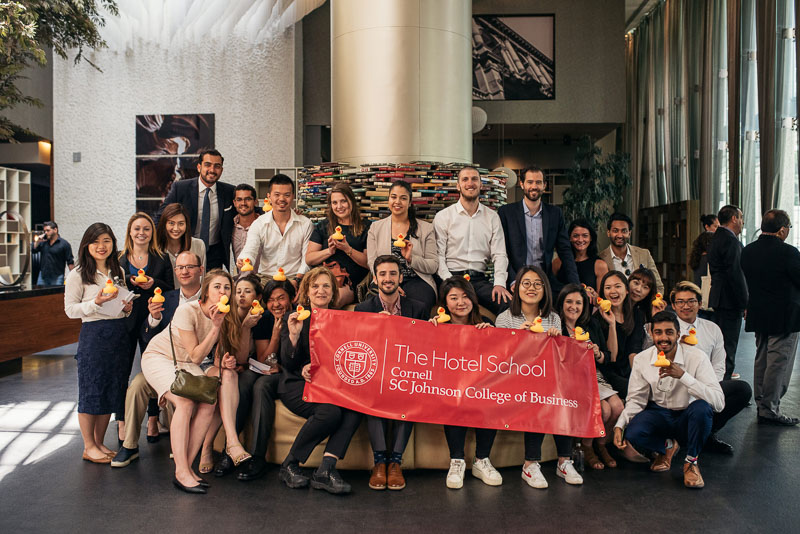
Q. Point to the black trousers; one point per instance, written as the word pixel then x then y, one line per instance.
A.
pixel 257 394
pixel 730 322
pixel 483 287
pixel 418 289
pixel 379 432
pixel 533 446
pixel 323 421
pixel 456 435
pixel 737 394
pixel 215 257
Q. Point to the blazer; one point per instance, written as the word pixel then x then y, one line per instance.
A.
pixel 554 230
pixel 772 270
pixel 172 300
pixel 159 268
pixel 424 254
pixel 185 192
pixel 641 258
pixel 728 284
pixel 408 307
pixel 293 358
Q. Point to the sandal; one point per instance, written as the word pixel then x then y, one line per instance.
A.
pixel 239 459
pixel 591 459
pixel 206 467
pixel 606 456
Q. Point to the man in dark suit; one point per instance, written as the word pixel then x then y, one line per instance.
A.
pixel 140 395
pixel 772 269
pixel 728 296
pixel 533 230
pixel 214 226
pixel 388 301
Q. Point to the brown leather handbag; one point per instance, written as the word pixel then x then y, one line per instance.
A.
pixel 193 387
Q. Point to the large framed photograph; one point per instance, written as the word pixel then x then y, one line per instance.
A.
pixel 513 57
pixel 174 135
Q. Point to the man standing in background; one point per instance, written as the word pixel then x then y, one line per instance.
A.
pixel 55 252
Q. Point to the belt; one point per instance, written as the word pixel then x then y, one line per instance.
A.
pixel 470 272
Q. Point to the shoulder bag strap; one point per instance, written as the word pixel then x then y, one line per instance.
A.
pixel 172 346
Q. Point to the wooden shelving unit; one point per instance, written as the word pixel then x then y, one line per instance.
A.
pixel 668 233
pixel 15 196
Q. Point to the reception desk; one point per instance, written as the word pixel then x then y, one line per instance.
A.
pixel 32 321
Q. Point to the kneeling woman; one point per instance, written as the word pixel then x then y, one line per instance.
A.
pixel 458 298
pixel 533 300
pixel 194 331
pixel 317 291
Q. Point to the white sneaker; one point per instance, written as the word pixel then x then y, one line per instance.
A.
pixel 484 470
pixel 533 476
pixel 455 476
pixel 567 471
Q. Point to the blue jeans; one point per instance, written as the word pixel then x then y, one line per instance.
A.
pixel 57 281
pixel 651 427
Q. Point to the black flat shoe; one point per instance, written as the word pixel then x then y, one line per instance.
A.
pixel 193 489
pixel 153 439
pixel 224 466
pixel 203 484
pixel 716 445
pixel 252 471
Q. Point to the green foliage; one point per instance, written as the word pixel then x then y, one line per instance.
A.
pixel 27 28
pixel 597 185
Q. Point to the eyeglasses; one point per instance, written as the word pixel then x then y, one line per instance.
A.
pixel 686 303
pixel 526 284
pixel 181 268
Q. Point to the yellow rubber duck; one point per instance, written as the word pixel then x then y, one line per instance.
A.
pixel 662 360
pixel 658 301
pixel 537 325
pixel 267 205
pixel 580 335
pixel 338 235
pixel 223 305
pixel 400 241
pixel 441 315
pixel 691 339
pixel 158 297
pixel 110 288
pixel 140 277
pixel 302 313
pixel 466 277
pixel 257 308
pixel 246 265
pixel 280 276
pixel 605 305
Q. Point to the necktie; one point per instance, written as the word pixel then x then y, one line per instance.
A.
pixel 205 221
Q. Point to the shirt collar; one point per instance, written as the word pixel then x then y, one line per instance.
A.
pixel 192 298
pixel 202 187
pixel 461 209
pixel 627 253
pixel 394 310
pixel 527 210
pixel 679 357
pixel 685 325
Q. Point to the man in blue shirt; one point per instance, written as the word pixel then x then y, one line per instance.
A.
pixel 55 254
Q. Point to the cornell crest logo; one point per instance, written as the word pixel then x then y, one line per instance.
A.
pixel 355 363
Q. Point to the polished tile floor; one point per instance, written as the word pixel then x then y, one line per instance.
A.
pixel 45 487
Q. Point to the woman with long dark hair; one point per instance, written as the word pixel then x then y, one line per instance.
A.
pixel 419 256
pixel 103 342
pixel 458 298
pixel 532 300
pixel 174 235
pixel 583 240
pixel 346 257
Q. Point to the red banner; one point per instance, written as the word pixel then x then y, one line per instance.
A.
pixel 411 370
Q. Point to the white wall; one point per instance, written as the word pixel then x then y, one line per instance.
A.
pixel 249 87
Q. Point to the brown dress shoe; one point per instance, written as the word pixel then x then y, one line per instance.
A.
pixel 377 479
pixel 664 461
pixel 396 480
pixel 691 476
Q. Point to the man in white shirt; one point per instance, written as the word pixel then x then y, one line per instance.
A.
pixel 468 236
pixel 671 405
pixel 189 269
pixel 279 238
pixel 686 299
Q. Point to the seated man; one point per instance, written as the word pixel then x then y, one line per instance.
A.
pixel 469 235
pixel 686 299
pixel 669 405
pixel 189 270
pixel 388 301
pixel 624 257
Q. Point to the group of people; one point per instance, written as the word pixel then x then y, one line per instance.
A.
pixel 487 269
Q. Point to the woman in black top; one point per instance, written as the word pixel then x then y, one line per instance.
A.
pixel 142 252
pixel 317 291
pixel 629 328
pixel 591 268
pixel 346 258
pixel 574 308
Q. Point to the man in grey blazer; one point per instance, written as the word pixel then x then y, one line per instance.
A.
pixel 621 255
